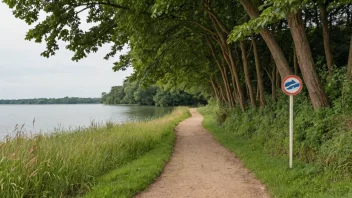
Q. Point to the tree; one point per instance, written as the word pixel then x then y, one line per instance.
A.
pixel 292 11
pixel 326 35
pixel 349 64
pixel 246 73
pixel 259 72
pixel 275 49
pixel 144 96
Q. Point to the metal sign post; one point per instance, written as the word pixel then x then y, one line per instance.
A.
pixel 291 130
pixel 291 85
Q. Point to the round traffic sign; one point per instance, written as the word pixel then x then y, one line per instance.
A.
pixel 292 85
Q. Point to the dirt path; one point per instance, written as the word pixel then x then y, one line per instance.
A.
pixel 201 167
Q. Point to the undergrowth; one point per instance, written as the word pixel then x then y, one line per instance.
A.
pixel 322 141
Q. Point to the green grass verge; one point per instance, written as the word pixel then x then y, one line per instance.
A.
pixel 304 180
pixel 75 163
pixel 135 176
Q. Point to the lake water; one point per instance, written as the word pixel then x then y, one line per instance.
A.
pixel 48 118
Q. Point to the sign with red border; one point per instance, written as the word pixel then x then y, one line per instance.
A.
pixel 292 85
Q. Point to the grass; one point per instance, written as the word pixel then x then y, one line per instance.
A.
pixel 304 180
pixel 101 160
pixel 135 176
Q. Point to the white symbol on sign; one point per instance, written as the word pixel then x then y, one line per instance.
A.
pixel 292 85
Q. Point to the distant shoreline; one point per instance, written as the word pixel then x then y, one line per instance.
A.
pixel 65 100
pixel 56 104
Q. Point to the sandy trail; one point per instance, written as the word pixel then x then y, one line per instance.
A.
pixel 201 167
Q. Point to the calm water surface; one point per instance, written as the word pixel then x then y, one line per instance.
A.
pixel 49 118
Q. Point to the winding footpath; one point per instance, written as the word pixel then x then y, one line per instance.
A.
pixel 201 167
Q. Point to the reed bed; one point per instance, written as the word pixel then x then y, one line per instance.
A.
pixel 67 164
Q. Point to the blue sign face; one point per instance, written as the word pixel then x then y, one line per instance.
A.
pixel 292 85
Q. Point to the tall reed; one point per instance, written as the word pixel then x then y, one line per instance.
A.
pixel 66 164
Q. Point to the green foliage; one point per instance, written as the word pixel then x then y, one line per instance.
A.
pixel 145 96
pixel 304 180
pixel 268 16
pixel 70 164
pixel 320 136
pixel 124 63
pixel 131 93
pixel 62 22
pixel 66 100
pixel 343 104
pixel 272 12
pixel 338 89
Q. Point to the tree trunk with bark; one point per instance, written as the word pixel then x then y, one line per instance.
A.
pixel 295 66
pixel 237 79
pixel 349 64
pixel 326 37
pixel 223 71
pixel 222 91
pixel 305 60
pixel 270 40
pixel 273 84
pixel 259 73
pixel 215 89
pixel 228 87
pixel 246 73
pixel 278 80
pixel 220 38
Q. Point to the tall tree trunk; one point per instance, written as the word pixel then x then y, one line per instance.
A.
pixel 222 91
pixel 222 33
pixel 228 56
pixel 278 80
pixel 237 79
pixel 234 76
pixel 326 37
pixel 305 60
pixel 259 73
pixel 273 84
pixel 215 88
pixel 246 73
pixel 269 39
pixel 224 76
pixel 349 64
pixel 295 66
pixel 228 87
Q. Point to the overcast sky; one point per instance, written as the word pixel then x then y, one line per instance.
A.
pixel 26 74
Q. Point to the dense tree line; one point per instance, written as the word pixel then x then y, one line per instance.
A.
pixel 132 93
pixel 238 51
pixel 66 100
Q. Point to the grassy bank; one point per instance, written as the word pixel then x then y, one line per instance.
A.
pixel 68 165
pixel 322 165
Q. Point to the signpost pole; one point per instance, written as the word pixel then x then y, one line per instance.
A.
pixel 291 130
pixel 291 86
